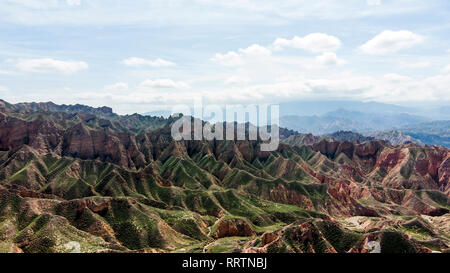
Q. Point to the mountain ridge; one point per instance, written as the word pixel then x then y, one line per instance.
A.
pixel 137 190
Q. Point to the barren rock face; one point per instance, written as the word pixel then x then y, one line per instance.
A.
pixel 297 237
pixel 233 227
pixel 444 176
pixel 42 135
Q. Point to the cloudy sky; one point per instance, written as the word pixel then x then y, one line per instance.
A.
pixel 145 55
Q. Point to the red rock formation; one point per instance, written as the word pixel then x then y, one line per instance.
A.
pixel 233 227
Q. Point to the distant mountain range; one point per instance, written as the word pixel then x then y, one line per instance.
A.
pixel 300 139
pixel 161 113
pixel 343 120
pixel 390 125
pixel 396 138
pixel 431 133
pixel 322 107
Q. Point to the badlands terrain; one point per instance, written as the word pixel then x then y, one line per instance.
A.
pixel 81 179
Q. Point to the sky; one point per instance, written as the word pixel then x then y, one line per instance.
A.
pixel 148 55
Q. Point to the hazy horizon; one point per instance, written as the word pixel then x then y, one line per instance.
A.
pixel 150 55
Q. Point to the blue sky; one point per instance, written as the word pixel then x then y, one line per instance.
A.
pixel 145 55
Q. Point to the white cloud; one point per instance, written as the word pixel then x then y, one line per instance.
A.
pixel 164 83
pixel 233 58
pixel 446 69
pixel 237 79
pixel 118 87
pixel 135 62
pixel 396 78
pixel 3 89
pixel 314 42
pixel 73 2
pixel 255 49
pixel 329 59
pixel 48 65
pixel 373 2
pixel 390 41
pixel 414 65
pixel 228 59
pixel 32 4
pixel 389 88
pixel 7 72
pixel 198 12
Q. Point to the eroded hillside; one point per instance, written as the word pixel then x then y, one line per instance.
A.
pixel 74 178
